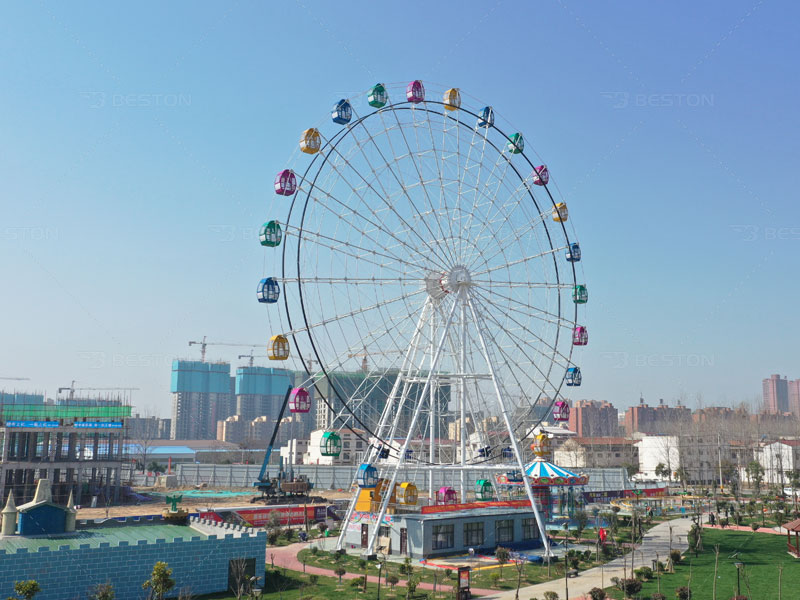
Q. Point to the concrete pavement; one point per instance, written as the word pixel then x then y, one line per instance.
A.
pixel 656 542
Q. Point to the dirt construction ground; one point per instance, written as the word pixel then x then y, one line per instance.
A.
pixel 191 504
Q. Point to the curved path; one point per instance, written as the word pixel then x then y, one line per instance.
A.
pixel 656 542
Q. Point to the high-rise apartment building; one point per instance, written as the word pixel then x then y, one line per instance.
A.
pixel 592 418
pixel 656 419
pixel 776 394
pixel 260 391
pixel 202 394
pixel 794 397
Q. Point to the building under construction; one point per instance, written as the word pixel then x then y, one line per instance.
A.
pixel 75 442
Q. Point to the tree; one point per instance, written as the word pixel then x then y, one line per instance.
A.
pixel 339 571
pixel 630 586
pixel 26 589
pixel 755 473
pixel 662 470
pixel 502 555
pixel 392 580
pixel 241 577
pixel 160 581
pixel 495 579
pixel 519 565
pixel 683 593
pixel 323 527
pixel 102 591
pixel 581 521
pixel 155 467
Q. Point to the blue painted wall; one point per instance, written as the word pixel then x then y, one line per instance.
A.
pixel 42 520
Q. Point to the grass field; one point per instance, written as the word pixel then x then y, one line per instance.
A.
pixel 762 555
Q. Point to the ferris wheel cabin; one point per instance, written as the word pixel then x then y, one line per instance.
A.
pixel 285 183
pixel 541 176
pixel 330 444
pixel 561 411
pixel 560 213
pixel 278 348
pixel 516 144
pixel 310 141
pixel 268 291
pixel 270 234
pixel 378 97
pixel 342 112
pixel 415 92
pixel 574 377
pixel 446 495
pixel 484 491
pixel 407 493
pixel 573 253
pixel 580 336
pixel 452 99
pixel 299 400
pixel 486 117
pixel 580 294
pixel 367 476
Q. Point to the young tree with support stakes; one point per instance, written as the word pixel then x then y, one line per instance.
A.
pixel 160 581
pixel 26 590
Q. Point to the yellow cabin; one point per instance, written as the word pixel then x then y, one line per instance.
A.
pixel 452 99
pixel 407 494
pixel 560 213
pixel 310 141
pixel 278 348
pixel 369 499
pixel 541 445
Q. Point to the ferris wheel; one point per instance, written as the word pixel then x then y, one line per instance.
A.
pixel 420 257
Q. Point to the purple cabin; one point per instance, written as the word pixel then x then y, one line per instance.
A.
pixel 446 495
pixel 299 401
pixel 580 337
pixel 541 176
pixel 285 183
pixel 561 411
pixel 415 92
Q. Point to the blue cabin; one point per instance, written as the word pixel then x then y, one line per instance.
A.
pixel 409 453
pixel 485 452
pixel 383 452
pixel 342 112
pixel 268 291
pixel 514 476
pixel 367 476
pixel 573 253
pixel 508 452
pixel 486 117
pixel 573 376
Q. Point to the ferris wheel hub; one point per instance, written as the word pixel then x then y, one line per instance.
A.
pixel 456 279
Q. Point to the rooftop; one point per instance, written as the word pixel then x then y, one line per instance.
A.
pixel 96 535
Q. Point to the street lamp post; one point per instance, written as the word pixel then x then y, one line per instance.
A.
pixel 739 566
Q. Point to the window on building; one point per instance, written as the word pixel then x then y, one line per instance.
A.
pixel 530 531
pixel 359 445
pixel 473 534
pixel 384 531
pixel 443 536
pixel 346 445
pixel 504 531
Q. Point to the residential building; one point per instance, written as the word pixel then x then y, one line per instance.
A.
pixel 261 390
pixel 353 448
pixel 592 418
pixel 582 452
pixel 235 429
pixel 778 459
pixel 776 394
pixel 148 428
pixel 202 394
pixel 794 397
pixel 654 420
pixel 294 451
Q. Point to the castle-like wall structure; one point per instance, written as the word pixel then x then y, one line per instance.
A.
pixel 199 560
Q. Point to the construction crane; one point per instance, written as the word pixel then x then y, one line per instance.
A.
pixel 72 389
pixel 365 354
pixel 16 378
pixel 203 344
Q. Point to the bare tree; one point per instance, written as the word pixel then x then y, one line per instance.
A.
pixel 241 578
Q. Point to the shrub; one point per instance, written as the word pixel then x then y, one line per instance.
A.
pixel 392 580
pixel 630 586
pixel 551 596
pixel 607 551
pixel 676 557
pixel 357 582
pixel 644 573
pixel 587 555
pixel 597 594
pixel 339 571
pixel 362 564
pixel 723 523
pixel 495 579
pixel 313 579
pixel 754 526
pixel 272 538
pixel 314 550
pixel 658 596
pixel 683 593
pixel 288 533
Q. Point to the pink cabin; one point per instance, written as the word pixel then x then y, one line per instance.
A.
pixel 541 176
pixel 446 495
pixel 561 411
pixel 415 92
pixel 285 183
pixel 580 336
pixel 299 401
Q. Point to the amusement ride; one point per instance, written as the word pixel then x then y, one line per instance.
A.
pixel 416 231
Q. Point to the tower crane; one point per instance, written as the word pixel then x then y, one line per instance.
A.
pixel 72 389
pixel 203 344
pixel 16 378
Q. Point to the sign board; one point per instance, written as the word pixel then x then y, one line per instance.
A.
pixel 259 517
pixel 34 424
pixel 95 425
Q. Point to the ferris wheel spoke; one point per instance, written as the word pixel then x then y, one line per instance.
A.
pixel 523 349
pixel 395 175
pixel 337 246
pixel 420 177
pixel 526 284
pixel 525 308
pixel 377 223
pixel 526 329
pixel 512 263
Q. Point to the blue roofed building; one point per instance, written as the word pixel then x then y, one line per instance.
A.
pixel 202 394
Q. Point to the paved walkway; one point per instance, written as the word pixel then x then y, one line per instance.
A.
pixel 286 556
pixel 776 530
pixel 656 541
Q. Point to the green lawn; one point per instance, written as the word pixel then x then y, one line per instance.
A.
pixel 761 554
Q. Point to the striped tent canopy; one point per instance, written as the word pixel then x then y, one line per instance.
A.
pixel 542 472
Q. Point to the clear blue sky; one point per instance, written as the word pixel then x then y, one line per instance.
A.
pixel 138 145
